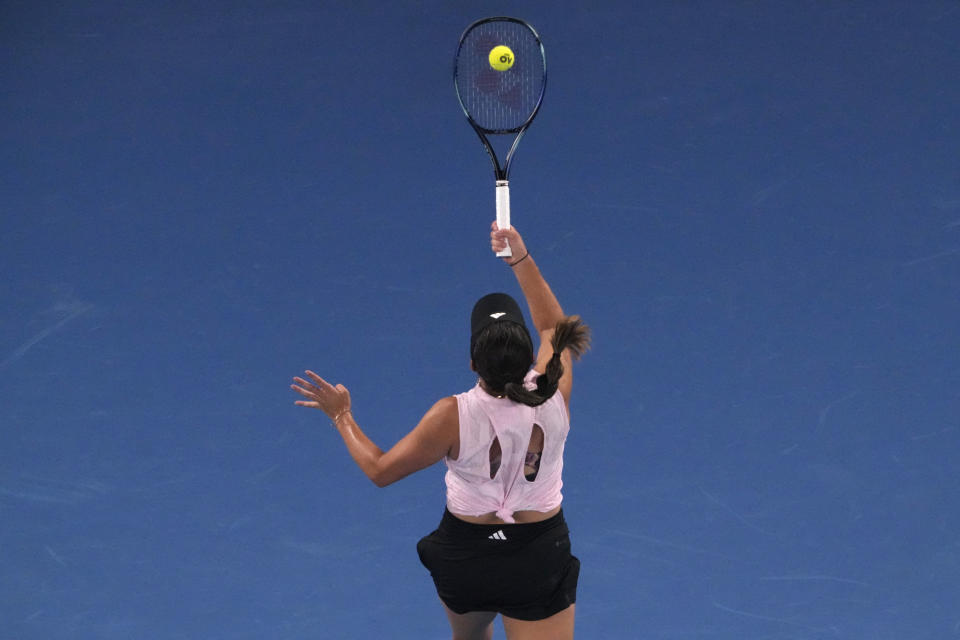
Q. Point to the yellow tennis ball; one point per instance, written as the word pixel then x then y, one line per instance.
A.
pixel 501 57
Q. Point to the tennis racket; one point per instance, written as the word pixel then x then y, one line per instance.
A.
pixel 500 73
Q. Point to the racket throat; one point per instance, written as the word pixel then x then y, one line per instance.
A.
pixel 503 213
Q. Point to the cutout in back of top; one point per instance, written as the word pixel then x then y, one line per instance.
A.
pixel 496 456
pixel 531 466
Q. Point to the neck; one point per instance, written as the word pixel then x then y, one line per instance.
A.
pixel 486 387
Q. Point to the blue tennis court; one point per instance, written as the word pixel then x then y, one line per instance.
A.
pixel 755 206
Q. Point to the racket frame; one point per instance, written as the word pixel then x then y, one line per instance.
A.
pixel 501 172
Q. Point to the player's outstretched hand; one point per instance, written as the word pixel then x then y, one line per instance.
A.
pixel 320 394
pixel 499 238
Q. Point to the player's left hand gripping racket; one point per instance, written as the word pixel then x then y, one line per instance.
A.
pixel 500 73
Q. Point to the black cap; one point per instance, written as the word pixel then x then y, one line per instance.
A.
pixel 495 307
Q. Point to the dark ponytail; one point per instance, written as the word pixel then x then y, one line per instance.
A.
pixel 570 333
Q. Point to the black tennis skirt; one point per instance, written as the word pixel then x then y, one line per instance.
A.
pixel 524 571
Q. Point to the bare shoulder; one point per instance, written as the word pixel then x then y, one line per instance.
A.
pixel 435 436
pixel 443 418
pixel 446 408
pixel 445 414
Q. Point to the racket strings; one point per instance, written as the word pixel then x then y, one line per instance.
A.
pixel 500 101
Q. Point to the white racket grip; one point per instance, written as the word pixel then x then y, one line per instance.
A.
pixel 503 213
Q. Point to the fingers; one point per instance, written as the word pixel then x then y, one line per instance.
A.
pixel 510 233
pixel 311 390
pixel 499 238
pixel 315 398
pixel 304 392
pixel 303 383
pixel 320 382
pixel 320 394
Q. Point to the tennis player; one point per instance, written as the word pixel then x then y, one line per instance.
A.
pixel 502 546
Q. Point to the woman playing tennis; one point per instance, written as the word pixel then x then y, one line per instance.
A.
pixel 502 546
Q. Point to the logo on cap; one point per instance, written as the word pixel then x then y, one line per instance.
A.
pixel 498 315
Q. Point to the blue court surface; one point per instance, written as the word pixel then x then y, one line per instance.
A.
pixel 755 205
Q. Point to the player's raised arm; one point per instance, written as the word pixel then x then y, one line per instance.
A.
pixel 562 338
pixel 545 310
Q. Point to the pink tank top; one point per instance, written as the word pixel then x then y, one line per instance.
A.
pixel 483 418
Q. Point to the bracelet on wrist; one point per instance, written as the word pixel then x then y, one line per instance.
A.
pixel 525 256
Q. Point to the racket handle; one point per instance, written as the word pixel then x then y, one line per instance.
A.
pixel 503 213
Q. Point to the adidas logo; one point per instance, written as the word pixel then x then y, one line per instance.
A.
pixel 497 536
